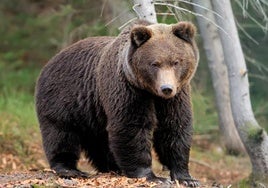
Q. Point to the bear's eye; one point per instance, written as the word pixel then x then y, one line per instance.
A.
pixel 176 63
pixel 155 64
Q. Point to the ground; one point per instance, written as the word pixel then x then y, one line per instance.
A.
pixel 208 163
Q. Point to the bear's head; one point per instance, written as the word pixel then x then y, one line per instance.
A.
pixel 162 58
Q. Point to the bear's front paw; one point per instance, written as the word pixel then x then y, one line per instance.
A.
pixel 186 180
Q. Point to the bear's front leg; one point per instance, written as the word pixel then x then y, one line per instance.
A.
pixel 173 135
pixel 130 137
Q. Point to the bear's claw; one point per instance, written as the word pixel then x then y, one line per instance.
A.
pixel 190 182
pixel 185 179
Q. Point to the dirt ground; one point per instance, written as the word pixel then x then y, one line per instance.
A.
pixel 208 163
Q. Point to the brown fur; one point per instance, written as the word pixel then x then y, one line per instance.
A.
pixel 117 97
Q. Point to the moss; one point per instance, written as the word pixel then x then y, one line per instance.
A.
pixel 255 133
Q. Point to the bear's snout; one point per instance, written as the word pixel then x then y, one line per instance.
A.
pixel 166 83
pixel 166 89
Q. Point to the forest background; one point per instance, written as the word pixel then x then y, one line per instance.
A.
pixel 32 31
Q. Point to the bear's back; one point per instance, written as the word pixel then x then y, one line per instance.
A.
pixel 65 82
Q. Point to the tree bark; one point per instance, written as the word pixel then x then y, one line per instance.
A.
pixel 145 10
pixel 252 135
pixel 218 71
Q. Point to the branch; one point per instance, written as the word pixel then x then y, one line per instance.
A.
pixel 195 4
pixel 245 32
pixel 125 24
pixel 115 18
pixel 196 14
pixel 251 17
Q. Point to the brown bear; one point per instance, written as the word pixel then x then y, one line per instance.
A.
pixel 114 98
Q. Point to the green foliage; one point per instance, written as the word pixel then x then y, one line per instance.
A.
pixel 16 99
pixel 32 32
pixel 205 116
pixel 17 116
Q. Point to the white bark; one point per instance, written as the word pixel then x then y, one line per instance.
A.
pixel 145 10
pixel 218 71
pixel 253 136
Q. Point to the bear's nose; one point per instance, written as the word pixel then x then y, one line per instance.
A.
pixel 166 89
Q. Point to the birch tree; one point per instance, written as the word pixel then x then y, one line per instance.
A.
pixel 218 71
pixel 145 10
pixel 252 135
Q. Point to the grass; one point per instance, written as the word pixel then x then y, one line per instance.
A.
pixel 18 121
pixel 17 113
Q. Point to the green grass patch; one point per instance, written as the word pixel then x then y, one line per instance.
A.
pixel 18 122
pixel 17 113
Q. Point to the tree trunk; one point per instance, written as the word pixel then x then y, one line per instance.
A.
pixel 145 10
pixel 218 71
pixel 252 135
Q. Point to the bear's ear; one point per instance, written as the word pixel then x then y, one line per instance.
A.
pixel 139 35
pixel 184 30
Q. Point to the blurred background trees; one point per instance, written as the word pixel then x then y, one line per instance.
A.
pixel 253 136
pixel 218 70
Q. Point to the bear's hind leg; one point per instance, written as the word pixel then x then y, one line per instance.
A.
pixel 62 148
